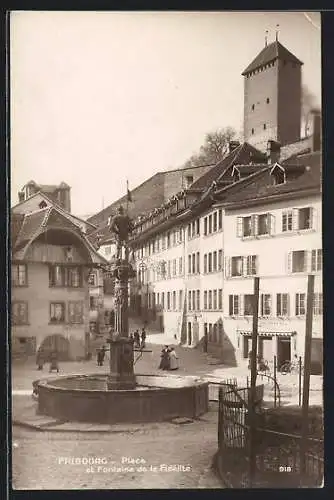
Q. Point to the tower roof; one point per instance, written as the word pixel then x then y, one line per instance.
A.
pixel 271 52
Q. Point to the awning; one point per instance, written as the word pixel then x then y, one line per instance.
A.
pixel 267 334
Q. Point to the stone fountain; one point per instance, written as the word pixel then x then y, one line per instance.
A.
pixel 121 396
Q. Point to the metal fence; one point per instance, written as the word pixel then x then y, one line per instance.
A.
pixel 278 455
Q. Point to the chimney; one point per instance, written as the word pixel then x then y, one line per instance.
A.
pixel 273 152
pixel 21 196
pixel 232 145
pixel 316 124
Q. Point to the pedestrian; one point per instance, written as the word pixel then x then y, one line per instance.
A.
pixel 103 353
pixel 54 365
pixel 99 356
pixel 40 359
pixel 143 338
pixel 173 359
pixel 137 338
pixel 164 362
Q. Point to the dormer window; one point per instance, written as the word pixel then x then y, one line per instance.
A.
pixel 278 175
pixel 189 180
pixel 43 204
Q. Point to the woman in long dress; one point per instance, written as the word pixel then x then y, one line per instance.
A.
pixel 173 359
pixel 164 362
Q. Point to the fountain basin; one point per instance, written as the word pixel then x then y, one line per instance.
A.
pixel 85 398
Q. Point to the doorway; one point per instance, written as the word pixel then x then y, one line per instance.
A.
pixel 189 333
pixel 283 351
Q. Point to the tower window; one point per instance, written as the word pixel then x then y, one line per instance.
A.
pixel 268 100
pixel 252 131
pixel 264 126
pixel 253 107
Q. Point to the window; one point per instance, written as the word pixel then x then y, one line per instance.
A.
pixel 180 300
pixel 57 312
pixel 197 263
pixel 93 303
pixel 197 226
pixel 316 260
pixel 317 304
pixel 74 277
pixel 251 265
pixel 163 300
pixel 247 227
pixel 180 265
pixel 214 261
pixel 299 261
pixel 19 275
pixel 220 260
pixel 174 267
pixel 168 301
pixel 220 218
pixel 205 263
pixel 205 299
pixel 205 226
pixel 300 304
pixel 174 301
pixel 189 180
pixel 107 249
pixel 215 221
pixel 215 300
pixel 210 224
pixel 282 304
pixel 19 313
pixel 237 266
pixel 210 263
pixel 198 300
pixel 193 300
pixel 253 107
pixel 75 312
pixel 248 305
pixel 189 264
pixel 305 218
pixel 168 239
pixel 210 300
pixel 57 276
pixel 265 304
pixel 193 263
pixel 264 126
pixel 233 305
pixel 263 224
pixel 220 299
pixel 189 300
pixel 267 100
pixel 252 131
pixel 92 279
pixel 287 221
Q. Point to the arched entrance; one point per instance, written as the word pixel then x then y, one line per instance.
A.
pixel 56 343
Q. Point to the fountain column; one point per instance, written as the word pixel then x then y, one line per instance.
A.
pixel 121 375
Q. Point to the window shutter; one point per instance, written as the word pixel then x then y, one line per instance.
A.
pixel 239 227
pixel 271 223
pixel 308 267
pixel 244 266
pixel 227 267
pixel 314 220
pixel 241 305
pixel 289 263
pixel 255 225
pixel 295 217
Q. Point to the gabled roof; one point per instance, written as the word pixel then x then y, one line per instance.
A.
pixel 260 187
pixel 271 52
pixel 245 153
pixel 32 223
pixel 53 203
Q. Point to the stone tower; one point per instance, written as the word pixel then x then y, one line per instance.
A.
pixel 272 97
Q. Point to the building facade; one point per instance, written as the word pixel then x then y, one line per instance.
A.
pixel 51 262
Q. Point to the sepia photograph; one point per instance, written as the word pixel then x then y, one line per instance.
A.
pixel 166 319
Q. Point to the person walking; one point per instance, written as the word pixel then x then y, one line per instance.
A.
pixel 137 338
pixel 164 361
pixel 40 359
pixel 54 365
pixel 173 359
pixel 143 338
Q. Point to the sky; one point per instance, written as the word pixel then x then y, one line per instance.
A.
pixel 99 98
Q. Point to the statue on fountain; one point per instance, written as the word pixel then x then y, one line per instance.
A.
pixel 121 226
